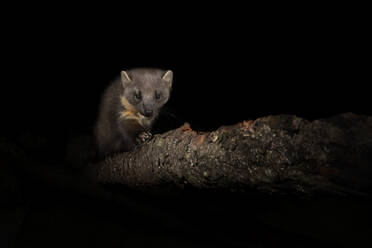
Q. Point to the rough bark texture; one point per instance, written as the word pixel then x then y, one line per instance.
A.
pixel 275 154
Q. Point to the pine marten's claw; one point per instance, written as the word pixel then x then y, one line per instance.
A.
pixel 143 137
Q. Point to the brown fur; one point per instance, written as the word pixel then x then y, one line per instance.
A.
pixel 120 121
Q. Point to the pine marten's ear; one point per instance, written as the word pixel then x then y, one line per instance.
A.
pixel 125 79
pixel 168 78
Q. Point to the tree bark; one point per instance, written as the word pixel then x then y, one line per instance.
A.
pixel 276 155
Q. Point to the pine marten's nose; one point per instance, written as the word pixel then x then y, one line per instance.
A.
pixel 148 113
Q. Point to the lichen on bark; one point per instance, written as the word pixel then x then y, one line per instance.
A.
pixel 280 154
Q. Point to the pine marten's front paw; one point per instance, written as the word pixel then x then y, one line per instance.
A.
pixel 143 137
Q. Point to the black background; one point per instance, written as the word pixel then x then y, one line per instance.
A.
pixel 226 68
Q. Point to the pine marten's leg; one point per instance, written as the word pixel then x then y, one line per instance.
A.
pixel 132 133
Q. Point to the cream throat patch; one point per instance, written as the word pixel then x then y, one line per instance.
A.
pixel 131 113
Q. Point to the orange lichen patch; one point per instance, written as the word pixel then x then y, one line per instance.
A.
pixel 199 139
pixel 246 124
pixel 186 127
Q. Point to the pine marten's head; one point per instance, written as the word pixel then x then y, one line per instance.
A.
pixel 145 91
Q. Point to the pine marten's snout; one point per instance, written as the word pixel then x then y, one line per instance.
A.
pixel 148 113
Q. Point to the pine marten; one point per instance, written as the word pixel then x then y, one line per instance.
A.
pixel 129 108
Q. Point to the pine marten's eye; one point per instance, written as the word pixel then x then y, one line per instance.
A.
pixel 157 95
pixel 138 95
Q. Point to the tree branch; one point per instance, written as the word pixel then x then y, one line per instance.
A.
pixel 275 154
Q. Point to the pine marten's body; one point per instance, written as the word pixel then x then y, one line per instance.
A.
pixel 129 107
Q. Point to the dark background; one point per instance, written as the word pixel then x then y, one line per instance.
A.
pixel 229 65
pixel 225 70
